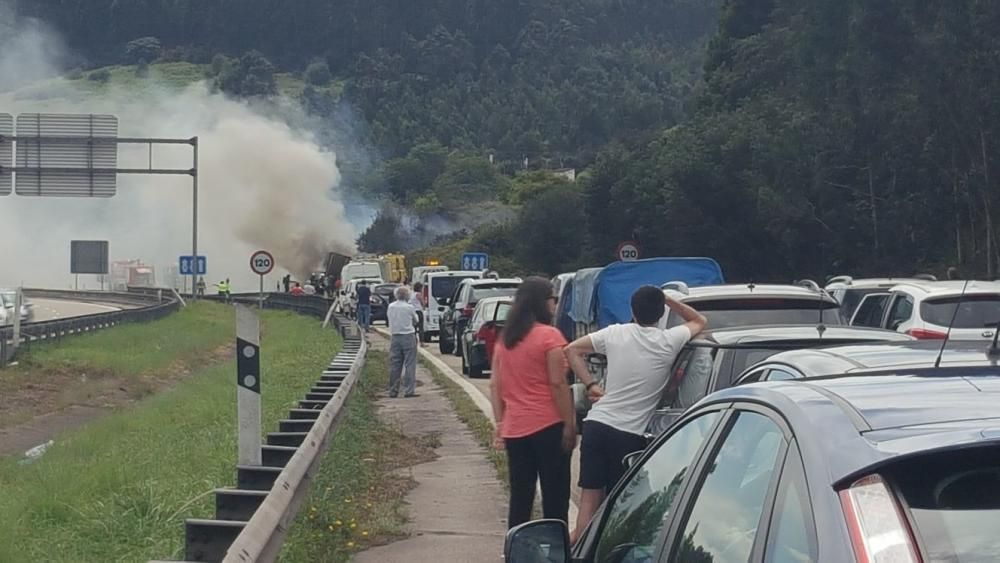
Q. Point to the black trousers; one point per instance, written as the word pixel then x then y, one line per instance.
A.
pixel 538 457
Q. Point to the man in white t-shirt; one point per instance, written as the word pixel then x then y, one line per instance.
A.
pixel 640 356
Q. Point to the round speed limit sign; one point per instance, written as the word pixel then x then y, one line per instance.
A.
pixel 261 262
pixel 628 251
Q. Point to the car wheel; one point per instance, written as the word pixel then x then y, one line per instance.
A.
pixel 426 337
pixel 458 346
pixel 445 345
pixel 465 366
pixel 475 371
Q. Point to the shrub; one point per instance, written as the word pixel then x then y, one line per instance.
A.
pixel 318 74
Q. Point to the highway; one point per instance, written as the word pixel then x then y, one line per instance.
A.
pixel 55 309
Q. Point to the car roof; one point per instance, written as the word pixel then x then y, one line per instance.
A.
pixel 488 281
pixel 855 424
pixel 950 287
pixel 881 357
pixel 750 291
pixel 870 283
pixel 453 273
pixel 757 334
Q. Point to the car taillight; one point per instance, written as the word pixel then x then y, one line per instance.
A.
pixel 924 334
pixel 879 533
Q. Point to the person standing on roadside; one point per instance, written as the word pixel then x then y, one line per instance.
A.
pixel 402 344
pixel 533 405
pixel 640 357
pixel 364 294
pixel 418 305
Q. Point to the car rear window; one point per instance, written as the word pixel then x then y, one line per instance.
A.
pixel 444 286
pixel 498 290
pixel 954 498
pixel 503 309
pixel 975 311
pixel 724 313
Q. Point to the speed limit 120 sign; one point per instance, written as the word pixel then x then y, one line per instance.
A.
pixel 627 251
pixel 261 262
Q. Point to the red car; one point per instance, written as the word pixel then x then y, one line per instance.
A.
pixel 481 333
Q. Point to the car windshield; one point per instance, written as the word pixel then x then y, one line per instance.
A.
pixel 725 313
pixel 975 311
pixel 385 290
pixel 954 498
pixel 492 290
pixel 444 286
pixel 7 298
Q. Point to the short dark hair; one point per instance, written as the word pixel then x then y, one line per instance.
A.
pixel 648 305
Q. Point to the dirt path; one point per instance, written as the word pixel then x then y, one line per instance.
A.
pixel 38 405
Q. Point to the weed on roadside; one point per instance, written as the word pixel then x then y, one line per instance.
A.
pixel 357 495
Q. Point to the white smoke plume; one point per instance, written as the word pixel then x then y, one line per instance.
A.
pixel 262 183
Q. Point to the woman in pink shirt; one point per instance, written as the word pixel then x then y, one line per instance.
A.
pixel 532 404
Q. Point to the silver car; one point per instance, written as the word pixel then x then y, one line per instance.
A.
pixel 8 297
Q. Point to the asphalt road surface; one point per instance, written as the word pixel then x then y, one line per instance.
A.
pixel 55 309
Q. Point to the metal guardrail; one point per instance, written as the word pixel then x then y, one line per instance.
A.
pixel 146 306
pixel 262 538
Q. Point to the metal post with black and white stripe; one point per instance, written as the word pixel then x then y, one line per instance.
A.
pixel 248 385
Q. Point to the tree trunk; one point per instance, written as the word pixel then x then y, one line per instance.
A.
pixel 987 207
pixel 874 206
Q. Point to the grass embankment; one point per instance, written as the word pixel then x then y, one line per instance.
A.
pixel 479 424
pixel 357 495
pixel 113 366
pixel 118 489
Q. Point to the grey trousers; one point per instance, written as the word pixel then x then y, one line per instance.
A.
pixel 403 361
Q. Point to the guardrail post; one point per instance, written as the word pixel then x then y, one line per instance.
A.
pixel 248 385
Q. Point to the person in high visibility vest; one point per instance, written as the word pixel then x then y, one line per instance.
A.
pixel 224 291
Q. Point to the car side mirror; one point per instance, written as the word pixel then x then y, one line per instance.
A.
pixel 629 460
pixel 545 541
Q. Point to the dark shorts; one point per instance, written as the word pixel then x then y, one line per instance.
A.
pixel 602 453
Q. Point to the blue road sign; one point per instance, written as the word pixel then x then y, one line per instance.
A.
pixel 475 261
pixel 191 267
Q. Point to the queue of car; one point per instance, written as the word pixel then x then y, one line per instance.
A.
pixel 787 435
pixel 8 304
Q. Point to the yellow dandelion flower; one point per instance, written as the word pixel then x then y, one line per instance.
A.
pixel 331 528
pixel 353 525
pixel 350 544
pixel 339 523
pixel 364 533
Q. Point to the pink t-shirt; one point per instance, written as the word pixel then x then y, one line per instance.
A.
pixel 524 382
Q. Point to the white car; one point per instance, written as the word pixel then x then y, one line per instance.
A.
pixel 849 291
pixel 756 305
pixel 925 309
pixel 8 298
pixel 347 299
pixel 438 291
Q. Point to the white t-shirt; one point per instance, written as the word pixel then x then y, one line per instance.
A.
pixel 402 318
pixel 639 363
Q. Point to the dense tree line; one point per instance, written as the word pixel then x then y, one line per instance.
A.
pixel 547 79
pixel 831 137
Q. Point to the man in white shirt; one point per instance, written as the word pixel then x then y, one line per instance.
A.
pixel 640 356
pixel 402 319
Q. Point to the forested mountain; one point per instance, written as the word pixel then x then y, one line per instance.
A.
pixel 831 137
pixel 546 79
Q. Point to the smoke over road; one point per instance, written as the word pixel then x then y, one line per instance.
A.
pixel 263 184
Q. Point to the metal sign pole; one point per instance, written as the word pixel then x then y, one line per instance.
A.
pixel 18 301
pixel 248 385
pixel 260 299
pixel 194 216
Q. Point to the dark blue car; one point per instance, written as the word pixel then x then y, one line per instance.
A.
pixel 894 466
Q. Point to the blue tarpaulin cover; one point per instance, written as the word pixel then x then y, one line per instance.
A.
pixel 617 282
